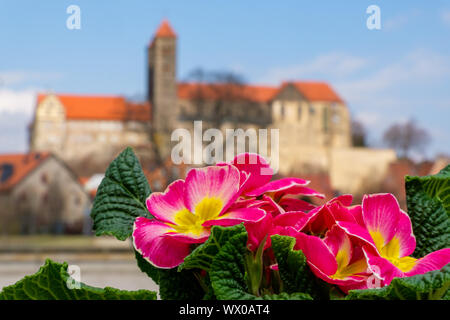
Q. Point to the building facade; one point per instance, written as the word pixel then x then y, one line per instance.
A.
pixel 40 194
pixel 88 129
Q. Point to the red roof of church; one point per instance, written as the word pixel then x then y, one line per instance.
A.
pixel 15 167
pixel 165 30
pixel 192 90
pixel 315 91
pixel 83 107
pixel 312 91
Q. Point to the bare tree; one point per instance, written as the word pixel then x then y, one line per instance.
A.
pixel 218 96
pixel 359 134
pixel 404 137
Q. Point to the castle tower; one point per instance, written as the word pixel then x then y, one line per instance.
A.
pixel 162 87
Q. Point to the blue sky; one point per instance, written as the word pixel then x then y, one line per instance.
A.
pixel 386 76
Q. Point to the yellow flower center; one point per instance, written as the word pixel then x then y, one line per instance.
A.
pixel 344 269
pixel 391 251
pixel 188 222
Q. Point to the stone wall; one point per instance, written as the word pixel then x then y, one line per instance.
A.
pixel 355 170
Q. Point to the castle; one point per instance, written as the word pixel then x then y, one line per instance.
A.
pixel 313 120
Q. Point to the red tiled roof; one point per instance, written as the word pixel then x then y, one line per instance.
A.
pixel 312 91
pixel 82 107
pixel 315 91
pixel 15 167
pixel 192 90
pixel 165 30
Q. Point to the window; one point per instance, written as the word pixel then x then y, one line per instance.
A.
pixel 44 178
pixel 311 109
pixel 282 111
pixel 299 112
pixel 325 119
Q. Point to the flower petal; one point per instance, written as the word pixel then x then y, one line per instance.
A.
pixel 325 216
pixel 359 232
pixel 381 267
pixel 299 190
pixel 317 253
pixel 164 206
pixel 340 245
pixel 272 205
pixel 256 167
pixel 404 234
pixel 150 240
pixel 352 281
pixel 219 182
pixel 278 185
pixel 257 231
pixel 432 261
pixel 189 237
pixel 295 219
pixel 363 284
pixel 237 216
pixel 292 204
pixel 381 213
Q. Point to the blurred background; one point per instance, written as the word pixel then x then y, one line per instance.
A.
pixel 357 107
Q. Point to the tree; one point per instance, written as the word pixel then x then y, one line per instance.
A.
pixel 219 96
pixel 359 134
pixel 404 137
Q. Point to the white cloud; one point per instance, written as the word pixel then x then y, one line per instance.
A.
pixel 17 77
pixel 13 132
pixel 445 16
pixel 399 20
pixel 17 101
pixel 415 68
pixel 16 112
pixel 333 64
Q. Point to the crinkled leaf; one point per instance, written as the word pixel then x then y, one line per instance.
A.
pixel 432 285
pixel 428 200
pixel 288 296
pixel 227 272
pixel 147 267
pixel 50 283
pixel 294 271
pixel 120 197
pixel 204 254
pixel 179 285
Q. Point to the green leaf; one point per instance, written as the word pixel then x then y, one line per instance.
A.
pixel 294 271
pixel 51 283
pixel 433 285
pixel 147 267
pixel 179 285
pixel 204 254
pixel 288 296
pixel 120 197
pixel 428 201
pixel 227 271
